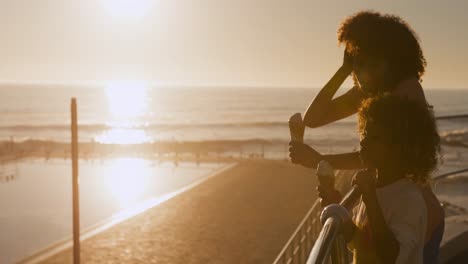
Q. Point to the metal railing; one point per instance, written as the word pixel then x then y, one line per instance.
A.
pixel 326 243
pixel 309 233
pixel 299 245
pixel 313 242
pixel 451 173
pixel 331 244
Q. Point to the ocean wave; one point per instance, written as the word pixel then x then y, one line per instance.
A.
pixel 453 117
pixel 93 127
pixel 47 147
pixel 156 126
pixel 330 141
pixel 58 127
pixel 44 143
pixel 457 137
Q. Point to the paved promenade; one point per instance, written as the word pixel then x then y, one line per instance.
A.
pixel 243 215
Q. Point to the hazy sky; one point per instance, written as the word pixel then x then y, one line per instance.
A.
pixel 211 42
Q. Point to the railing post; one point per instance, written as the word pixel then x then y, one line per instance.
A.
pixel 338 253
pixel 286 255
pixel 294 250
pixel 303 241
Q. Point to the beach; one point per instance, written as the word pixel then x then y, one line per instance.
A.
pixel 243 215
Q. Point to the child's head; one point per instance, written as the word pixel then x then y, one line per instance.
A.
pixel 386 50
pixel 399 133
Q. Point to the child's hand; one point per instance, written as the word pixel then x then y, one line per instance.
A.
pixel 365 181
pixel 328 196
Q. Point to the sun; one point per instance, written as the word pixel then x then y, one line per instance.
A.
pixel 127 9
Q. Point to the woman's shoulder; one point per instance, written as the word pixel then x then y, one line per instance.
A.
pixel 411 88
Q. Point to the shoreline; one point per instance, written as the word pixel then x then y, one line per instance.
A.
pixel 227 150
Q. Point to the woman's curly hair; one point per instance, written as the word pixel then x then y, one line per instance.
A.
pixel 385 37
pixel 408 124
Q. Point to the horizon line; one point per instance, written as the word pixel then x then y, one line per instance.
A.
pixel 182 85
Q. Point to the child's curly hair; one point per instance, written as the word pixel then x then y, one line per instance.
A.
pixel 385 37
pixel 410 125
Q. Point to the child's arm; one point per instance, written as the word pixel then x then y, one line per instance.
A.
pixel 387 246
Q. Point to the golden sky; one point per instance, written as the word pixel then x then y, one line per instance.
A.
pixel 210 42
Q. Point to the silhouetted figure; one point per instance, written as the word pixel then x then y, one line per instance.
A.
pixel 391 221
pixel 383 55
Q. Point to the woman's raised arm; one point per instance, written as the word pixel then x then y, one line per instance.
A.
pixel 324 109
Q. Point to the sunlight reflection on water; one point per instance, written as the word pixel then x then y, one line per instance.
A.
pixel 36 205
pixel 127 178
pixel 127 101
pixel 123 136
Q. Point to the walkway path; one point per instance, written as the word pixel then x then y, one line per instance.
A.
pixel 243 215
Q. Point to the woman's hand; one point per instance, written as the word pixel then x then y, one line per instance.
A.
pixel 304 155
pixel 325 109
pixel 347 62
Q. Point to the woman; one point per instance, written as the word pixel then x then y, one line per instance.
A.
pixel 383 55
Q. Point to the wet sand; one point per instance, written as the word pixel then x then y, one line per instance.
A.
pixel 243 215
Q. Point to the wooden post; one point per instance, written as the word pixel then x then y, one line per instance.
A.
pixel 76 197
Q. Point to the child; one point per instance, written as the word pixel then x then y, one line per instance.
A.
pixel 400 140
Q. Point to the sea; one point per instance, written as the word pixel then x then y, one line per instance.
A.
pixel 33 219
pixel 137 113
